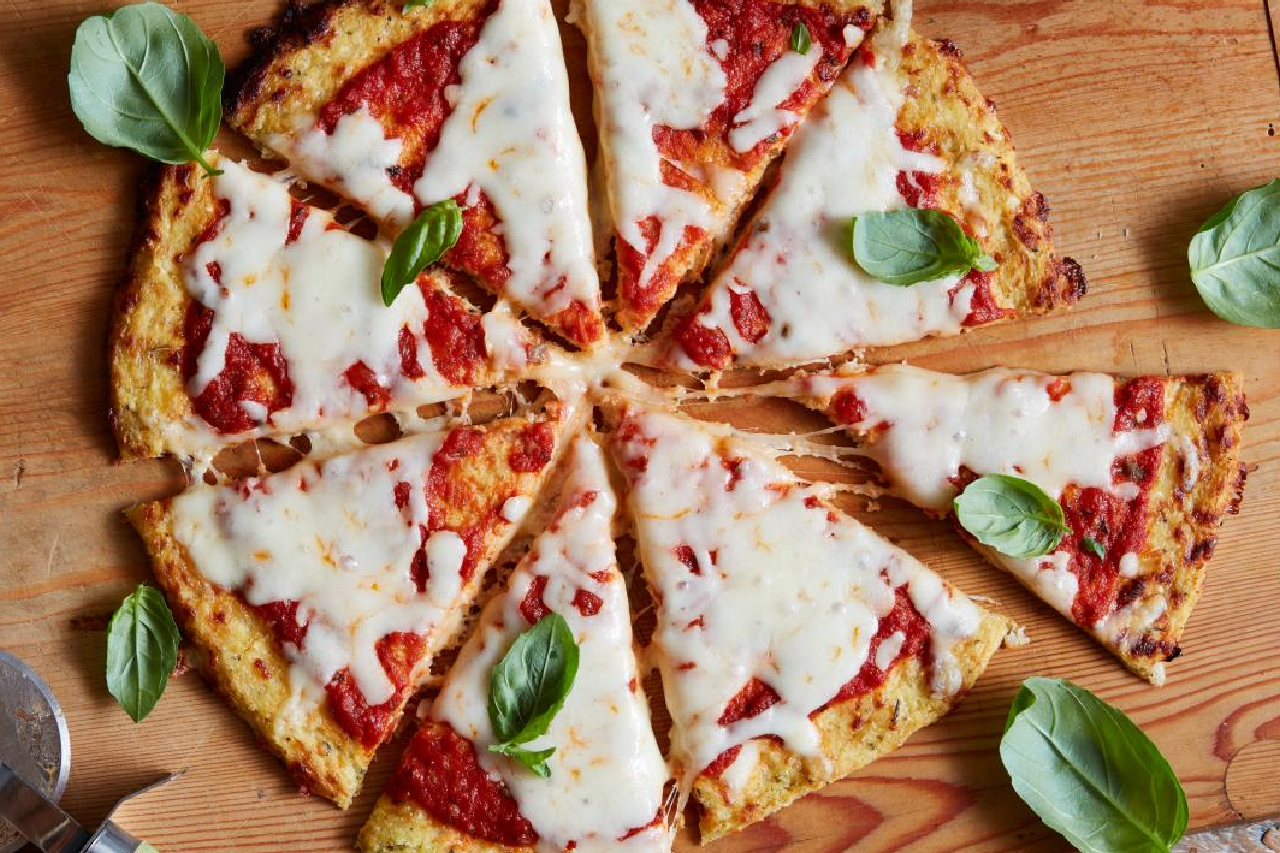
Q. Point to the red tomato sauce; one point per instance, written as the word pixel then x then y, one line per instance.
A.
pixel 455 336
pixel 440 772
pixel 533 608
pixel 533 449
pixel 399 653
pixel 256 372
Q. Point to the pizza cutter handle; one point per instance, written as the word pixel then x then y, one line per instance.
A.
pixel 110 838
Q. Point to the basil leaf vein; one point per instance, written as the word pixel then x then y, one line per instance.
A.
pixel 1012 515
pixel 801 41
pixel 1089 773
pixel 1093 546
pixel 142 650
pixel 145 78
pixel 1235 259
pixel 433 233
pixel 528 688
pixel 912 245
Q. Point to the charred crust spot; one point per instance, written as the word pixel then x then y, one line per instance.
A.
pixel 1174 654
pixel 1130 592
pixel 1202 550
pixel 1065 283
pixel 949 48
pixel 300 25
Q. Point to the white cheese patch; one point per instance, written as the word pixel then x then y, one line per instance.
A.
pixel 1129 565
pixel 1186 448
pixel 329 536
pixel 786 592
pixel 607 775
pixel 842 162
pixel 763 117
pixel 515 508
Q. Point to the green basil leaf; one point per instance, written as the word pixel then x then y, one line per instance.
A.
pixel 411 3
pixel 428 237
pixel 534 759
pixel 145 78
pixel 529 685
pixel 912 245
pixel 1093 546
pixel 800 39
pixel 142 650
pixel 1010 514
pixel 1089 773
pixel 1235 259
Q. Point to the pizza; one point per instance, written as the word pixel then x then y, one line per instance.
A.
pixel 694 99
pixel 398 106
pixel 247 314
pixel 315 598
pixel 904 126
pixel 608 784
pixel 795 645
pixel 1146 468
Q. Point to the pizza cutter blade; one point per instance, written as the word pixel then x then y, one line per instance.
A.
pixel 35 760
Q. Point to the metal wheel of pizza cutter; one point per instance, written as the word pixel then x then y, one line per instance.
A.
pixel 35 761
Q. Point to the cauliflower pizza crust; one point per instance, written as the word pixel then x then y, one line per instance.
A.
pixel 247 313
pixel 694 99
pixel 316 597
pixel 397 107
pixel 1145 467
pixel 795 645
pixel 904 126
pixel 607 786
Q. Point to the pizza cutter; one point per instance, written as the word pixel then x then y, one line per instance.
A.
pixel 35 760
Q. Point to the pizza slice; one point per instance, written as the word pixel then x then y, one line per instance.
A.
pixel 905 126
pixel 248 314
pixel 795 645
pixel 398 106
pixel 694 99
pixel 607 787
pixel 1144 469
pixel 315 598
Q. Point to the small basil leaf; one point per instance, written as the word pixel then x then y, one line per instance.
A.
pixel 534 759
pixel 423 3
pixel 529 685
pixel 1235 259
pixel 145 78
pixel 1089 773
pixel 800 39
pixel 912 245
pixel 1093 546
pixel 1012 515
pixel 142 650
pixel 428 237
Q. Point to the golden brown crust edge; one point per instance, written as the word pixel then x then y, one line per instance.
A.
pixel 854 733
pixel 408 828
pixel 951 117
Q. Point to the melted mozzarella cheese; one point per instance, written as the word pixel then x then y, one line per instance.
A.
pixel 785 591
pixel 843 161
pixel 330 537
pixel 763 117
pixel 510 134
pixel 318 298
pixel 607 775
pixel 652 66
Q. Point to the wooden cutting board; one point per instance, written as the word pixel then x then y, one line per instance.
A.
pixel 1137 120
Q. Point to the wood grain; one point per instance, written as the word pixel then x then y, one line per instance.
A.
pixel 1136 119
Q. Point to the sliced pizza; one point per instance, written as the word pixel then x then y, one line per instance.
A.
pixel 316 597
pixel 795 645
pixel 694 99
pixel 905 126
pixel 248 314
pixel 607 784
pixel 398 106
pixel 1143 468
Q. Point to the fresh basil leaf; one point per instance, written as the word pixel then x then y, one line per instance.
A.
pixel 1093 546
pixel 534 759
pixel 911 245
pixel 1089 773
pixel 1010 514
pixel 142 649
pixel 144 77
pixel 428 237
pixel 800 39
pixel 423 3
pixel 1235 259
pixel 529 685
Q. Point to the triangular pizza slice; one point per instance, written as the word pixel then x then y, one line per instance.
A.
pixel 398 106
pixel 694 99
pixel 795 644
pixel 248 314
pixel 607 784
pixel 905 126
pixel 316 597
pixel 1144 468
